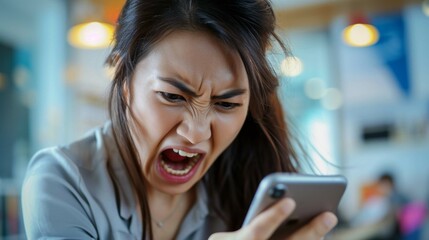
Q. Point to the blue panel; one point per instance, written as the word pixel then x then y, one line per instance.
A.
pixel 392 48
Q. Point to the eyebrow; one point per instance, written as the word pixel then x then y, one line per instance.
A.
pixel 182 87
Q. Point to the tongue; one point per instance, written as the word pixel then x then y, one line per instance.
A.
pixel 172 156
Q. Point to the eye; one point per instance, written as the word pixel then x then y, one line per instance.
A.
pixel 227 105
pixel 171 97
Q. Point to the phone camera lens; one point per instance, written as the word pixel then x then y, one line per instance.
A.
pixel 278 191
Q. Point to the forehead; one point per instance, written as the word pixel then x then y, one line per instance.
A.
pixel 196 44
pixel 194 56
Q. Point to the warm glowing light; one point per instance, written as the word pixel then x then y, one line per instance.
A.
pixel 332 99
pixel 425 7
pixel 91 35
pixel 314 88
pixel 291 66
pixel 360 35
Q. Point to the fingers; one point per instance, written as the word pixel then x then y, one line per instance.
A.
pixel 223 236
pixel 264 225
pixel 317 228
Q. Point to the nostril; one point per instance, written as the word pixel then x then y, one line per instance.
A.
pixel 194 131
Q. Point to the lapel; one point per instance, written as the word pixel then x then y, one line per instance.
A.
pixel 126 199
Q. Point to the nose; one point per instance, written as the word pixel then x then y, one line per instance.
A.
pixel 195 130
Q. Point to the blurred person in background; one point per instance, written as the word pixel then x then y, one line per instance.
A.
pixel 196 124
pixel 380 209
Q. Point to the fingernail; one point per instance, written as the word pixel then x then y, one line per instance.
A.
pixel 288 205
pixel 330 221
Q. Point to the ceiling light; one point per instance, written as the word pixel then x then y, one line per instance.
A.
pixel 291 66
pixel 332 99
pixel 314 88
pixel 360 35
pixel 360 32
pixel 91 35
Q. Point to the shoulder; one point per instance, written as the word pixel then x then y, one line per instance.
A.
pixel 84 154
pixel 74 165
pixel 51 190
pixel 60 181
pixel 51 162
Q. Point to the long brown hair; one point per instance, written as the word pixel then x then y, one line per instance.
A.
pixel 263 145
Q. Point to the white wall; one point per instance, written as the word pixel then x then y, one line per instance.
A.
pixel 372 97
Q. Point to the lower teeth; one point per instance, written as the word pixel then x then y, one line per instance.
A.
pixel 178 172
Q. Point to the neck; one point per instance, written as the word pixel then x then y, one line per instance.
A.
pixel 168 211
pixel 162 205
pixel 168 201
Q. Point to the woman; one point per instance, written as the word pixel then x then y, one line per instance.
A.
pixel 195 125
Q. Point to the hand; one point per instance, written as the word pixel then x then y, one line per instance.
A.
pixel 264 225
pixel 317 228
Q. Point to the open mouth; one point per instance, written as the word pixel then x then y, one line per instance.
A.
pixel 178 162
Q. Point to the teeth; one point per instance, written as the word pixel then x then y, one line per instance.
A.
pixel 179 172
pixel 185 154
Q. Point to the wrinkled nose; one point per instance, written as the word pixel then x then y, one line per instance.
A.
pixel 195 130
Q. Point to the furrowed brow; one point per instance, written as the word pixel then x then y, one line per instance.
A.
pixel 230 94
pixel 179 85
pixel 182 87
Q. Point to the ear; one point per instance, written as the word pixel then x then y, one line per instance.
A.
pixel 126 92
pixel 127 99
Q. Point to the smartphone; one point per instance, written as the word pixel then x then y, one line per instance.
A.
pixel 313 194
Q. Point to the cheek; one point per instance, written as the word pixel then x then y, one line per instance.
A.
pixel 227 129
pixel 154 122
pixel 155 118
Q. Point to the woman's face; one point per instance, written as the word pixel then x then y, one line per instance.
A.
pixel 190 97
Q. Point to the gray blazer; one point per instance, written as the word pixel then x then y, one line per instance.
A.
pixel 68 193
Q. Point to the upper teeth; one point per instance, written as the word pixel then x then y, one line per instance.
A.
pixel 184 154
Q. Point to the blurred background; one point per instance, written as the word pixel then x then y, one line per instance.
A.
pixel 356 89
